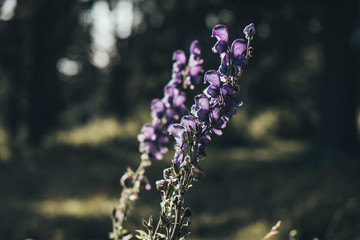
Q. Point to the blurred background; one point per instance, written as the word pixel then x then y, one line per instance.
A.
pixel 76 81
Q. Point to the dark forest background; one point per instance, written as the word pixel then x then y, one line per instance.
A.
pixel 76 81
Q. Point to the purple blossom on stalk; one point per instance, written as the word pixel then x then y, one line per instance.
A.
pixel 229 58
pixel 249 30
pixel 214 108
pixel 152 140
pixel 166 111
pixel 195 65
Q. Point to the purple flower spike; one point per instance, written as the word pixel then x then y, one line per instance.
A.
pixel 194 66
pixel 152 141
pixel 220 32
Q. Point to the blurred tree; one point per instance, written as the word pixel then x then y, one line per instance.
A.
pixel 297 46
pixel 339 132
pixel 34 40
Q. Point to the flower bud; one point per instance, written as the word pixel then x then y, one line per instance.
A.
pixel 175 200
pixel 167 173
pixel 187 212
pixel 186 164
pixel 249 30
pixel 126 180
pixel 197 172
pixel 162 185
pixel 144 182
pixel 176 169
pixel 173 180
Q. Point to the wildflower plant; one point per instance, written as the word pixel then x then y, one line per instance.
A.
pixel 208 116
pixel 153 137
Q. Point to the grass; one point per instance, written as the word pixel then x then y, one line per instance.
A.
pixel 67 191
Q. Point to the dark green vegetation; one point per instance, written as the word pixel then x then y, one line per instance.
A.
pixel 66 192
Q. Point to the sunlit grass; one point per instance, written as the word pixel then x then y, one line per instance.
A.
pixel 5 152
pixel 99 131
pixel 275 150
pixel 97 206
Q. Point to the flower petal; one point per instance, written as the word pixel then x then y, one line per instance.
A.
pixel 238 47
pixel 220 47
pixel 178 131
pixel 202 102
pixel 212 77
pixel 215 114
pixel 189 123
pixel 220 32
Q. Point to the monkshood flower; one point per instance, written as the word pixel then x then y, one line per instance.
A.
pixel 171 107
pixel 154 135
pixel 209 115
pixel 152 140
pixel 232 59
pixel 214 108
pixel 195 66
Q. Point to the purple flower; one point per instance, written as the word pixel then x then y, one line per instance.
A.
pixel 179 132
pixel 157 108
pixel 212 109
pixel 152 140
pixel 249 30
pixel 194 65
pixel 179 155
pixel 167 110
pixel 180 60
pixel 229 59
pixel 238 58
pixel 213 79
pixel 201 108
pixel 220 32
pixel 189 123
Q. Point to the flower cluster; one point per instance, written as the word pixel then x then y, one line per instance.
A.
pixel 166 111
pixel 214 108
pixel 209 115
pixel 154 136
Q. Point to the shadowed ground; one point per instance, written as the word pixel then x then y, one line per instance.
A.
pixel 67 192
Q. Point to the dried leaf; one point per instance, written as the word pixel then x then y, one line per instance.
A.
pixel 274 231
